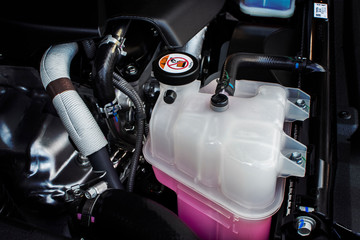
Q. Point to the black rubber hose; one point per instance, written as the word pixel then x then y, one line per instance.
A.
pixel 235 62
pixel 100 162
pixel 128 90
pixel 118 213
pixel 106 58
pixel 89 48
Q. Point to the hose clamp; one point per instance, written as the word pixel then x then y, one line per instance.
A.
pixel 85 217
pixel 119 43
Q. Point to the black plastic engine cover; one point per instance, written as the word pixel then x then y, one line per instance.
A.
pixel 177 21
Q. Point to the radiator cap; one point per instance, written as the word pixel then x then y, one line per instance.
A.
pixel 176 68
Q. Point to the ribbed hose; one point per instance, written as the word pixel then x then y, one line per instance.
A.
pixel 127 89
pixel 235 62
pixel 73 112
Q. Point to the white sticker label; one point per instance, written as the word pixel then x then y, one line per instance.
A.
pixel 176 63
pixel 320 10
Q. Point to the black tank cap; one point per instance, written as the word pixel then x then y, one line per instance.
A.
pixel 176 68
pixel 219 102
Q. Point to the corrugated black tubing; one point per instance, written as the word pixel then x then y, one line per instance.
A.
pixel 128 90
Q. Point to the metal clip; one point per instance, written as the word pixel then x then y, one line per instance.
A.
pixel 110 109
pixel 119 43
pixel 75 192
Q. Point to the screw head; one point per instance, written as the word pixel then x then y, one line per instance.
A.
pixel 297 157
pixel 305 225
pixel 131 70
pixel 301 103
pixel 83 161
pixel 170 96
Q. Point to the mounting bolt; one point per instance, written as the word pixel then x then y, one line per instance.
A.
pixel 83 161
pixel 131 70
pixel 170 96
pixel 305 225
pixel 296 157
pixel 301 103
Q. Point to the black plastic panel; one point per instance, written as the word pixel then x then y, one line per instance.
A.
pixel 177 21
pixel 32 26
pixel 270 40
pixel 28 28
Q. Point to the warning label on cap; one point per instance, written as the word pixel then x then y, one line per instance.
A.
pixel 176 63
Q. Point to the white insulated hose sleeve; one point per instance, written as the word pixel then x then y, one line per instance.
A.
pixel 73 112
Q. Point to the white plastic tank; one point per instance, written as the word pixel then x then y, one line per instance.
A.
pixel 237 158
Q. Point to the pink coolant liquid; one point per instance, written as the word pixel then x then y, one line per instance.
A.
pixel 209 220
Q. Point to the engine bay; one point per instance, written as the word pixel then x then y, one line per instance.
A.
pixel 194 119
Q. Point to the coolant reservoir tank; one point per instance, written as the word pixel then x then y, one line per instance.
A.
pixel 236 158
